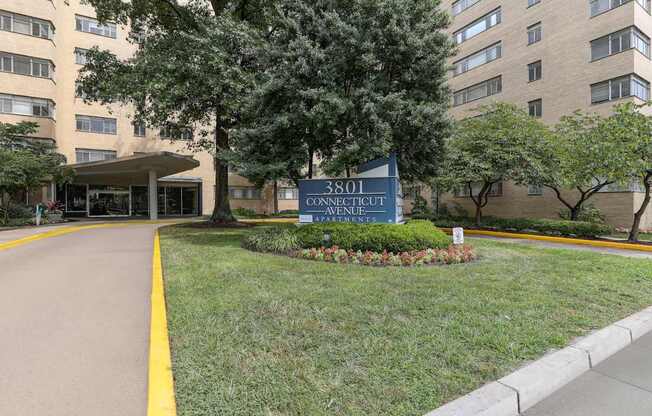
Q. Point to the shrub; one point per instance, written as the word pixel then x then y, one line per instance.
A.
pixel 278 239
pixel 244 212
pixel 287 213
pixel 588 213
pixel 416 235
pixel 420 206
pixel 20 211
pixel 545 226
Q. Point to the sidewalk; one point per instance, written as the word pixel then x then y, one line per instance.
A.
pixel 619 386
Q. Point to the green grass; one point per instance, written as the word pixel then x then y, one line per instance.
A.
pixel 256 334
pixel 641 237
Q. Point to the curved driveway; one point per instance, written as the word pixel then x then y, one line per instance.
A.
pixel 74 323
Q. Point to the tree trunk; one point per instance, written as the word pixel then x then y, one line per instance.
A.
pixel 275 197
pixel 348 172
pixel 5 200
pixel 635 231
pixel 575 212
pixel 311 156
pixel 478 214
pixel 222 208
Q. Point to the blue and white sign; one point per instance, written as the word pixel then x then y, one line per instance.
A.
pixel 373 195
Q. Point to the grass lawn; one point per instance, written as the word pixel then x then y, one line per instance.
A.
pixel 642 236
pixel 256 334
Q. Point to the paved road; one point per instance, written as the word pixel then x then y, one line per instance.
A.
pixel 539 243
pixel 619 386
pixel 74 324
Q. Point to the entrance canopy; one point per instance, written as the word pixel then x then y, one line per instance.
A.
pixel 132 170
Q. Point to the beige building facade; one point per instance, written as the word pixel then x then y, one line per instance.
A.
pixel 42 44
pixel 551 57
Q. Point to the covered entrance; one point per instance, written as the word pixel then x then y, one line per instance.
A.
pixel 129 186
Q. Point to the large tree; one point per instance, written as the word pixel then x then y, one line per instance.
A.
pixel 25 164
pixel 192 68
pixel 629 125
pixel 502 144
pixel 584 158
pixel 345 81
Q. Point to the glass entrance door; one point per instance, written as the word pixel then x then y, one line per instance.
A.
pixel 108 201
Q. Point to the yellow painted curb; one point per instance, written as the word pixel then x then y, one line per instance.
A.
pixel 160 395
pixel 560 240
pixel 75 228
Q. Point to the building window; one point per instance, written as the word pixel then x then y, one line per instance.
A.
pixel 90 124
pixel 534 33
pixel 26 106
pixel 90 25
pixel 244 192
pixel 93 155
pixel 535 108
pixel 614 89
pixel 139 129
pixel 460 5
pixel 531 3
pixel 26 65
pixel 478 91
pixel 463 192
pixel 481 25
pixel 176 133
pixel 80 56
pixel 620 41
pixel 287 194
pixel 534 71
pixel 482 57
pixel 534 190
pixel 26 25
pixel 601 6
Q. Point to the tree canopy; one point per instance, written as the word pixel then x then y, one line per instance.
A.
pixel 583 156
pixel 192 69
pixel 26 164
pixel 503 143
pixel 631 126
pixel 346 81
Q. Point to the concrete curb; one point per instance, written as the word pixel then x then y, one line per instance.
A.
pixel 160 390
pixel 525 387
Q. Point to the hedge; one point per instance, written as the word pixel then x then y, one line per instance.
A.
pixel 416 235
pixel 283 239
pixel 544 226
pixel 277 239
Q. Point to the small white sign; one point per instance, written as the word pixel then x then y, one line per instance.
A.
pixel 305 219
pixel 458 236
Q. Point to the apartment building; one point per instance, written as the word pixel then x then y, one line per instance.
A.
pixel 551 57
pixel 42 46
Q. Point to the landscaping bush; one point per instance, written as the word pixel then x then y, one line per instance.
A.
pixel 588 213
pixel 244 212
pixel 416 235
pixel 278 239
pixel 287 213
pixel 545 226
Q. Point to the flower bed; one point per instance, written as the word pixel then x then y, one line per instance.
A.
pixel 452 255
pixel 415 244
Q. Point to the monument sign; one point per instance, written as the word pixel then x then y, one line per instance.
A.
pixel 372 195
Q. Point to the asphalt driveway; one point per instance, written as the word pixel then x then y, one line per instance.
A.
pixel 74 323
